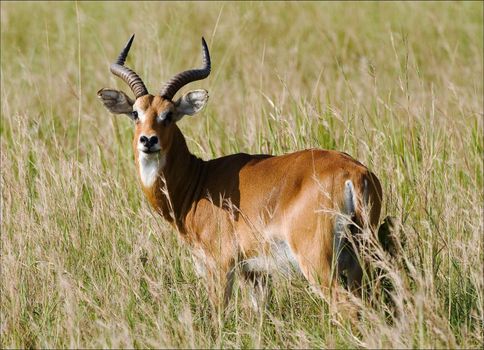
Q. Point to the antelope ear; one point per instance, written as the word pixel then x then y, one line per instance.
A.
pixel 190 103
pixel 116 101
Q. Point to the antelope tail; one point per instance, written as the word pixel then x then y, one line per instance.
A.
pixel 344 221
pixel 348 217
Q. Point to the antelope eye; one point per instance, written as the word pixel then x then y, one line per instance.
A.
pixel 135 115
pixel 166 119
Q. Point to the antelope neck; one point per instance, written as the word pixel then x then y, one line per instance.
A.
pixel 175 190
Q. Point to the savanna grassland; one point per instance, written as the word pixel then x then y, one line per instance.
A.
pixel 86 263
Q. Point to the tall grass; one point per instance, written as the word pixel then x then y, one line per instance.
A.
pixel 86 263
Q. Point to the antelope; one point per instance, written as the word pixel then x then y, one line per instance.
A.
pixel 257 214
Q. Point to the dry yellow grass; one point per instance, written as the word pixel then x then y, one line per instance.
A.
pixel 85 263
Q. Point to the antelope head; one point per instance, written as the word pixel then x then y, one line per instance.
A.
pixel 155 116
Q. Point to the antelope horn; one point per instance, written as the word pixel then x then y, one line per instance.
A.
pixel 181 79
pixel 128 75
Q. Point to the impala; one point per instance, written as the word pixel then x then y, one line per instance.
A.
pixel 256 214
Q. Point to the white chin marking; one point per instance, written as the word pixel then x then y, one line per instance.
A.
pixel 149 166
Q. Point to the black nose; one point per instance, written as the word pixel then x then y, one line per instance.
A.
pixel 153 140
pixel 148 142
pixel 143 140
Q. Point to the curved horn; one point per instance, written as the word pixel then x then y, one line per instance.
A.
pixel 129 76
pixel 181 79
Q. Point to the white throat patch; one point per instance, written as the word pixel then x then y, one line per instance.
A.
pixel 149 167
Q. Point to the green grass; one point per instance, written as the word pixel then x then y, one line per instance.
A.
pixel 86 263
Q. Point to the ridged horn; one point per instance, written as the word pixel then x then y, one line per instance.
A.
pixel 181 79
pixel 128 75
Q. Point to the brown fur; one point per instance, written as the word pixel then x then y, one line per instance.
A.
pixel 230 207
pixel 233 208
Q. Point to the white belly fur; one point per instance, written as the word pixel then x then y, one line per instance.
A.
pixel 280 259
